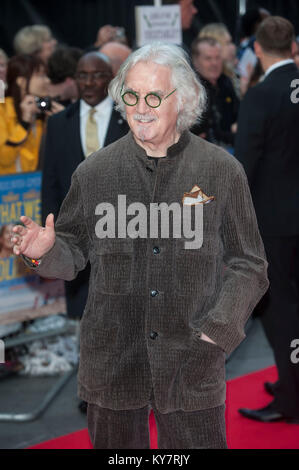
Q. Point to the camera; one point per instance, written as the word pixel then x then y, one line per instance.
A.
pixel 43 104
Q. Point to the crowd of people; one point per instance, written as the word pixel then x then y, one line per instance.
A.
pixel 57 112
pixel 42 68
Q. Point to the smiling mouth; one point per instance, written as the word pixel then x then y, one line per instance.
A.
pixel 145 121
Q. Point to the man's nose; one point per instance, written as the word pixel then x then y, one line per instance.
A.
pixel 89 79
pixel 141 106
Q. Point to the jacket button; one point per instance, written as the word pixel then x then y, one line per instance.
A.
pixel 154 293
pixel 156 250
pixel 153 335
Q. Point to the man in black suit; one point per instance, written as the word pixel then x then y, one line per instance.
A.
pixel 68 143
pixel 267 145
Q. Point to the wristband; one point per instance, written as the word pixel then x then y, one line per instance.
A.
pixel 33 263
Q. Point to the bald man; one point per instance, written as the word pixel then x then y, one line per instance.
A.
pixel 117 54
pixel 67 146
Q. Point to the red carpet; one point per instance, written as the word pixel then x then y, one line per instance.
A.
pixel 242 433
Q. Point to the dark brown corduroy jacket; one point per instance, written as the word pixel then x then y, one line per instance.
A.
pixel 149 299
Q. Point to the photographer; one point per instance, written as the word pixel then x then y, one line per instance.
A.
pixel 23 114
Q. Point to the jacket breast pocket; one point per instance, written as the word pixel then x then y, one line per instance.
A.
pixel 115 271
pixel 195 272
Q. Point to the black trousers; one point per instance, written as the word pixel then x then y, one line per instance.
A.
pixel 280 318
pixel 129 429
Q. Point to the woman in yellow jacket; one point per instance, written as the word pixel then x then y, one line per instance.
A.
pixel 21 125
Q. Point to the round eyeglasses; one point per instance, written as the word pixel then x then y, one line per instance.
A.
pixel 152 99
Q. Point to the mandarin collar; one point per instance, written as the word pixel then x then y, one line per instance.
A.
pixel 172 151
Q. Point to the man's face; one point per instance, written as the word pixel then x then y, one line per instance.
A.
pixel 209 62
pixel 188 10
pixel 92 77
pixel 151 125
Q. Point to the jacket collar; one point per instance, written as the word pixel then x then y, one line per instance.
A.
pixel 281 68
pixel 172 151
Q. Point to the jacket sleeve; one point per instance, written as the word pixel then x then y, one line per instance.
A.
pixel 249 142
pixel 245 275
pixel 70 253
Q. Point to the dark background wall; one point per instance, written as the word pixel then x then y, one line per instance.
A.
pixel 75 22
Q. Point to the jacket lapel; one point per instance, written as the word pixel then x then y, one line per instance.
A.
pixel 73 116
pixel 291 67
pixel 114 131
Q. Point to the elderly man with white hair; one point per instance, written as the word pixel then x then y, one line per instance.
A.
pixel 162 311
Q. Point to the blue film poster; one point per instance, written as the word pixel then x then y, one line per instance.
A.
pixel 23 294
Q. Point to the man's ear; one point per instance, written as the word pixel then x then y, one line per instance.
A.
pixel 294 48
pixel 257 49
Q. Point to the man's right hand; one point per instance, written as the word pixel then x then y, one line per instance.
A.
pixel 32 240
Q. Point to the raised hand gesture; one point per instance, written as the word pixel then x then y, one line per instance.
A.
pixel 32 240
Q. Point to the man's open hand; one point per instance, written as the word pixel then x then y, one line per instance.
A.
pixel 32 240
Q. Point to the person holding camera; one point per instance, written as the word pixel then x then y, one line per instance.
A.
pixel 23 114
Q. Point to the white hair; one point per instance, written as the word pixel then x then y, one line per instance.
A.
pixel 191 94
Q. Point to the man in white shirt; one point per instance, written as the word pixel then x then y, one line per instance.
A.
pixel 93 76
pixel 72 135
pixel 102 117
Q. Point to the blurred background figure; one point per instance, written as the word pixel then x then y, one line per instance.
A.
pixel 62 65
pixel 188 11
pixel 188 21
pixel 35 40
pixel 6 245
pixel 117 54
pixel 21 120
pixel 249 68
pixel 222 35
pixel 267 147
pixel 218 124
pixel 110 33
pixel 3 65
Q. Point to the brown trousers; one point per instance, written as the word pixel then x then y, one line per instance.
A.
pixel 129 429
